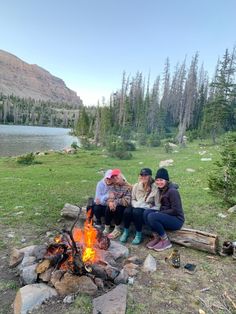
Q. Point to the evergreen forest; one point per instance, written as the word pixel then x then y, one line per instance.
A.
pixel 185 102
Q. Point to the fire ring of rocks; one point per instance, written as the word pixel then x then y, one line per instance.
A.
pixel 75 261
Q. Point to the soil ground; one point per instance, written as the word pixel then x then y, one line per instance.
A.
pixel 168 290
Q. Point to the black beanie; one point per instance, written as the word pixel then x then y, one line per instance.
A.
pixel 162 173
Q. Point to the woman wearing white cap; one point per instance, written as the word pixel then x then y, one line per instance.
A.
pixel 100 202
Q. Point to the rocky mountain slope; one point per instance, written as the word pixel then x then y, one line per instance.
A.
pixel 29 80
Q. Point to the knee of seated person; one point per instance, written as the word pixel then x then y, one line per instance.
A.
pixel 138 211
pixel 150 218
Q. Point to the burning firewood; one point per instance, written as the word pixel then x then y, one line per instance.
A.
pixel 75 249
pixel 43 266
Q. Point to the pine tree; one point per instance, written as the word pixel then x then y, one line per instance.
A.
pixel 218 111
pixel 222 183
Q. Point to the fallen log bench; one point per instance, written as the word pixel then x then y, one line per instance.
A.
pixel 195 239
pixel 191 238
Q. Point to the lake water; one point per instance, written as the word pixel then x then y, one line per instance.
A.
pixel 18 139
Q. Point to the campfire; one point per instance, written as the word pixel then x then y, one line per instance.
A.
pixel 76 259
pixel 75 250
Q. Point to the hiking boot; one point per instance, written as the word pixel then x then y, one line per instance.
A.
pixel 153 242
pixel 227 248
pixel 162 245
pixel 124 236
pixel 114 234
pixel 138 238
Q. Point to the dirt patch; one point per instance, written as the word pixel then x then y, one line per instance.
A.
pixel 168 290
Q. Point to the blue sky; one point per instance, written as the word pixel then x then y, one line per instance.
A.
pixel 90 43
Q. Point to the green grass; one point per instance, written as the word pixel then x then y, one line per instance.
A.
pixel 36 193
pixel 5 285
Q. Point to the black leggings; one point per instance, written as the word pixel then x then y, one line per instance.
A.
pixel 134 214
pixel 117 215
pixel 99 212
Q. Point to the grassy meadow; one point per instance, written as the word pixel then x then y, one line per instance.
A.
pixel 34 195
pixel 31 198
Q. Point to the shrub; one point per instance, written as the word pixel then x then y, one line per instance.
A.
pixel 154 140
pixel 142 139
pixel 27 159
pixel 120 149
pixel 168 149
pixel 129 146
pixel 74 145
pixel 222 182
pixel 124 155
pixel 86 144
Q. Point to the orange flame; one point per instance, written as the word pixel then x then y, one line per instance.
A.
pixel 90 234
pixel 58 239
pixel 85 239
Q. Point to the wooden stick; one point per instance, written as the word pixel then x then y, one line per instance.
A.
pixel 230 300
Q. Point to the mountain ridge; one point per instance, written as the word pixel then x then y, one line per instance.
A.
pixel 26 80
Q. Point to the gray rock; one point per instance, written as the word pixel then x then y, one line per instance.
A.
pixel 112 272
pixel 123 277
pixel 232 209
pixel 27 261
pixel 28 250
pixel 107 257
pixel 39 251
pixel 31 296
pixel 69 299
pixel 74 284
pixel 28 275
pixel 16 257
pixel 99 283
pixel 118 250
pixel 131 269
pixel 112 302
pixel 46 276
pixel 133 259
pixel 150 264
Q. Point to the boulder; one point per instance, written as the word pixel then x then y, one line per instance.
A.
pixel 31 296
pixel 112 302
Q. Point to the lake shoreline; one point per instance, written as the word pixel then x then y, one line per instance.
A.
pixel 17 140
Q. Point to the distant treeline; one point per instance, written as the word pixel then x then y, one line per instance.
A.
pixel 182 103
pixel 28 111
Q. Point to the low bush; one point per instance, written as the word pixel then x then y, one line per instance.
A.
pixel 153 140
pixel 27 159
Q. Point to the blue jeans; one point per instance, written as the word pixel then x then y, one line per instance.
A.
pixel 159 222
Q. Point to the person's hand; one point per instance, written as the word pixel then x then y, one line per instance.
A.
pixel 97 201
pixel 112 206
pixel 111 195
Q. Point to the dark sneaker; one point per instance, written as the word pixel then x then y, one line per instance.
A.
pixel 162 245
pixel 153 242
pixel 227 248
